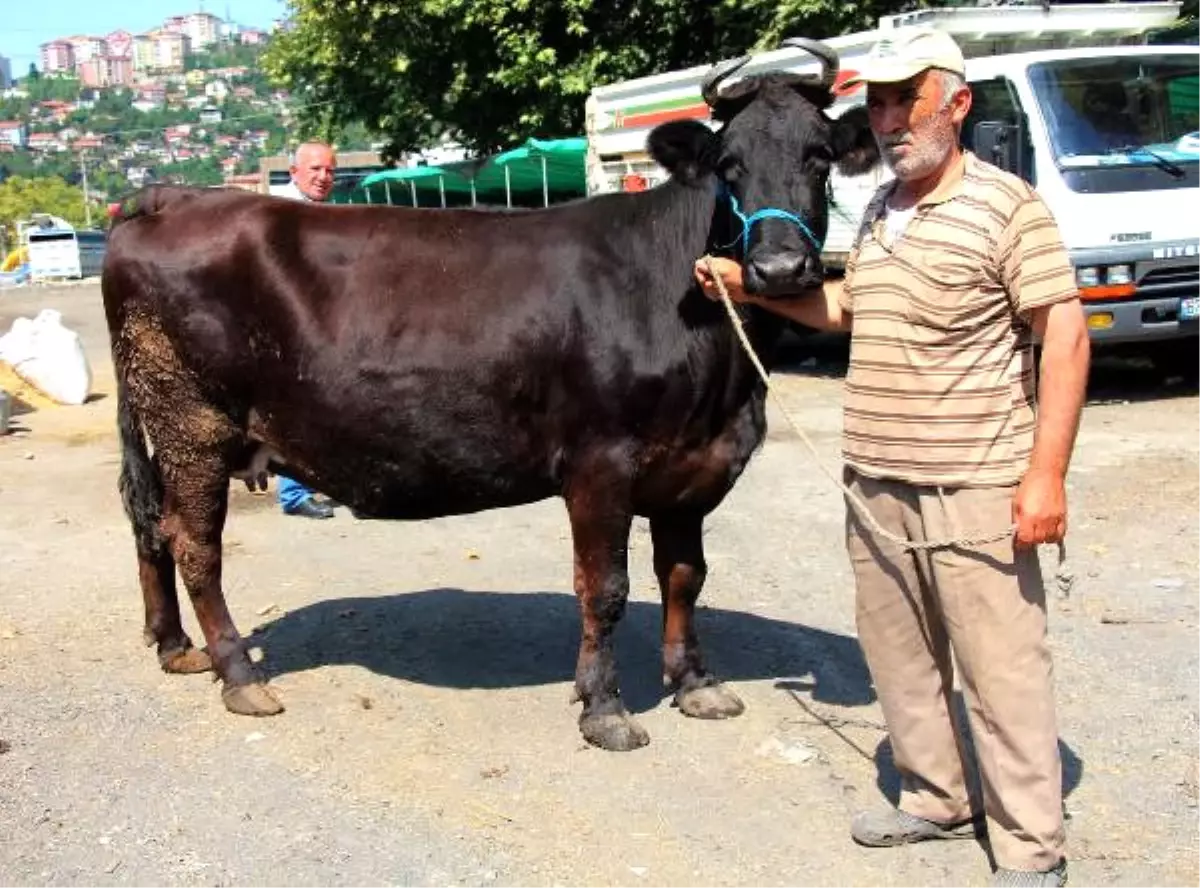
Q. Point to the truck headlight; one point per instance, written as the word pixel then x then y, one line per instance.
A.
pixel 1119 274
pixel 1087 277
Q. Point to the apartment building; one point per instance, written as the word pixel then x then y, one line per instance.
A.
pixel 202 29
pixel 160 50
pixel 119 44
pixel 57 57
pixel 103 71
pixel 5 73
pixel 84 47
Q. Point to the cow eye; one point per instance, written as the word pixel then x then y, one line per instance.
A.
pixel 819 159
pixel 730 168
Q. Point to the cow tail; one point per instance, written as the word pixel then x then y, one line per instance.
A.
pixel 141 479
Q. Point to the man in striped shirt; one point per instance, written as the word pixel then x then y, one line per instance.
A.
pixel 957 265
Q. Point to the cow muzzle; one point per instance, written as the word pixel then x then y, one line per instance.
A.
pixel 780 274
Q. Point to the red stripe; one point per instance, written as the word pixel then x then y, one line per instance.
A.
pixel 653 118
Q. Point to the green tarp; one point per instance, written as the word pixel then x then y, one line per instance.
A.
pixel 539 171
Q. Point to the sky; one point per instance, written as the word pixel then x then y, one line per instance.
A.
pixel 27 24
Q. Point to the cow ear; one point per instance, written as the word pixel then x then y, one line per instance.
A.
pixel 854 147
pixel 685 148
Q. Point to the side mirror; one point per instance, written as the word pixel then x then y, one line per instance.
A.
pixel 1002 145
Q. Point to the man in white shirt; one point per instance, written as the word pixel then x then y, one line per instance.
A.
pixel 312 180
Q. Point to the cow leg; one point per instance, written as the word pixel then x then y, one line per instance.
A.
pixel 680 567
pixel 193 518
pixel 600 529
pixel 156 573
pixel 142 494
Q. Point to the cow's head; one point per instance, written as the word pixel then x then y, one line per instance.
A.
pixel 773 151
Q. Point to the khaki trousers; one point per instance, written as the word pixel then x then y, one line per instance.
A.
pixel 987 605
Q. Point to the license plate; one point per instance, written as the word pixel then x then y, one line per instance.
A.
pixel 1189 309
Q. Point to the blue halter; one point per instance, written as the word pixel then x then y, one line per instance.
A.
pixel 762 215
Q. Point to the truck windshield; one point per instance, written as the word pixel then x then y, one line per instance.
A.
pixel 1121 110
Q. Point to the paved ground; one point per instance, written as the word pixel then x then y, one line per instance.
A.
pixel 427 667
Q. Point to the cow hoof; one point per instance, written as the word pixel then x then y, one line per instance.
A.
pixel 251 699
pixel 711 701
pixel 616 732
pixel 186 662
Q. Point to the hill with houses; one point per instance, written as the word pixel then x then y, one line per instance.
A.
pixel 183 103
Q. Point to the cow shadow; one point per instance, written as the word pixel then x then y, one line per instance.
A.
pixel 489 640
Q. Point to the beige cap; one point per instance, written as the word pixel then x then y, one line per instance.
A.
pixel 906 52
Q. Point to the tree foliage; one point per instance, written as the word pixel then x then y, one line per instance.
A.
pixel 200 171
pixel 41 89
pixel 223 55
pixel 21 197
pixel 492 72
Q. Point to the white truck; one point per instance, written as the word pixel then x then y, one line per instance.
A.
pixel 1073 98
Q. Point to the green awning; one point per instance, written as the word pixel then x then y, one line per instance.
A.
pixel 538 169
pixel 407 174
pixel 563 160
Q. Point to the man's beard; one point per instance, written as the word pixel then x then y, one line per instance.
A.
pixel 927 148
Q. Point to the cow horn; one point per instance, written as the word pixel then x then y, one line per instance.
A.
pixel 827 55
pixel 712 80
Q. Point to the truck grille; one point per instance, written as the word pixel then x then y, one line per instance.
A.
pixel 1178 280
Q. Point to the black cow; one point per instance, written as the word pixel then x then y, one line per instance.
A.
pixel 419 363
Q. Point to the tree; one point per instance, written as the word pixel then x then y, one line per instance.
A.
pixel 19 163
pixel 14 109
pixel 64 89
pixel 223 55
pixel 33 72
pixel 201 171
pixel 20 198
pixel 492 72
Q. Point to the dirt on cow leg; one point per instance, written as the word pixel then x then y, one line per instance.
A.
pixel 681 570
pixel 193 519
pixel 600 529
pixel 176 653
pixel 604 721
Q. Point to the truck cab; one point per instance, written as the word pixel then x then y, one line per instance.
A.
pixel 1110 138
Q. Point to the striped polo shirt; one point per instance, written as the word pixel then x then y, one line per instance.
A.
pixel 941 385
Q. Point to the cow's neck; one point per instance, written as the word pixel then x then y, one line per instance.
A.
pixel 686 225
pixel 682 217
pixel 709 230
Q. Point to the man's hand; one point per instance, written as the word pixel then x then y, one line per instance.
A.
pixel 1040 508
pixel 818 307
pixel 730 273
